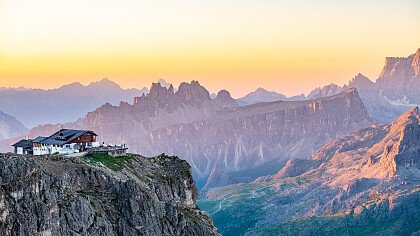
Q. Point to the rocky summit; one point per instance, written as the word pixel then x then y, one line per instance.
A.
pixel 99 195
pixel 400 79
pixel 364 183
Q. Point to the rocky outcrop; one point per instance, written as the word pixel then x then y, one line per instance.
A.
pixel 400 79
pixel 10 127
pixel 129 196
pixel 401 147
pixel 223 99
pixel 364 183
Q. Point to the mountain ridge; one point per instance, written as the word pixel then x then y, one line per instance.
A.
pixel 215 137
pixel 367 181
pixel 64 104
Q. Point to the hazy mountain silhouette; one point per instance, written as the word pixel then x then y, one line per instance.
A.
pixel 10 127
pixel 64 104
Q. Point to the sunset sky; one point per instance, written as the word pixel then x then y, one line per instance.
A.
pixel 289 46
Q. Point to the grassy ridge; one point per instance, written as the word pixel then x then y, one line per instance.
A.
pixel 113 163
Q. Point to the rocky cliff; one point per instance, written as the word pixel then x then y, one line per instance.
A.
pixel 99 195
pixel 400 78
pixel 364 183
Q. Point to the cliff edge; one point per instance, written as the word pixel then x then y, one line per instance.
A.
pixel 99 195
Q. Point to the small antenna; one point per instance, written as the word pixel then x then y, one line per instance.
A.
pixel 62 127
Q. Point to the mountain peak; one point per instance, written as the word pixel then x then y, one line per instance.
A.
pixel 224 99
pixel 193 93
pixel 223 94
pixel 157 90
pixel 260 90
pixel 325 91
pixel 104 83
pixel 360 81
pixel 360 76
pixel 401 67
pixel 260 95
pixel 164 83
pixel 105 80
pixel 74 85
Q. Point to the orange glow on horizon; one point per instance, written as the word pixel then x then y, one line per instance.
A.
pixel 289 47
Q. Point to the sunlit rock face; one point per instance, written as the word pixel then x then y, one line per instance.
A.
pixel 400 79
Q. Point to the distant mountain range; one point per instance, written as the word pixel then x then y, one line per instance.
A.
pixel 260 95
pixel 224 143
pixel 395 91
pixel 67 103
pixel 10 127
pixel 343 160
pixel 263 95
pixel 365 182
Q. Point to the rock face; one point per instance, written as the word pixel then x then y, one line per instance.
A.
pixel 223 99
pixel 10 127
pixel 243 143
pixel 48 196
pixel 379 107
pixel 364 183
pixel 400 79
pixel 64 104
